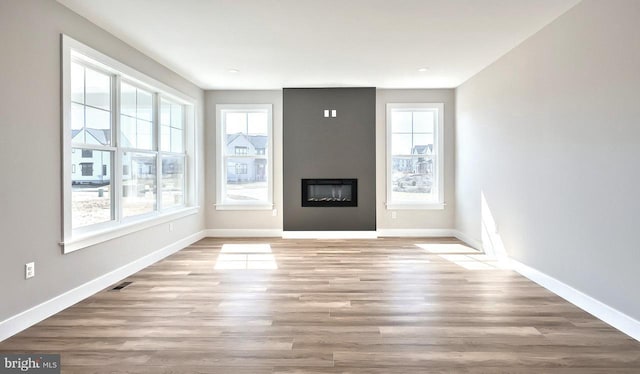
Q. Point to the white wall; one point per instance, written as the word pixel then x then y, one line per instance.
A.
pixel 550 135
pixel 30 184
pixel 234 219
pixel 415 219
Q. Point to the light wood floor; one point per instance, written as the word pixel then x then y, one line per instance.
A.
pixel 331 306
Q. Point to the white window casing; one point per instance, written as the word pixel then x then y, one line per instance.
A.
pixel 432 194
pixel 74 238
pixel 234 157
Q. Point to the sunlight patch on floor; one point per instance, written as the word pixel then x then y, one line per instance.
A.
pixel 246 257
pixel 447 248
pixel 464 256
pixel 246 248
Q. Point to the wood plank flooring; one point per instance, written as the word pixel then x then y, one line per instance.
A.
pixel 328 306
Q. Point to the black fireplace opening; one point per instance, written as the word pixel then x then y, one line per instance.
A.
pixel 329 192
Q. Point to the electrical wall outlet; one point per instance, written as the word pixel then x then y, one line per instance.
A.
pixel 274 212
pixel 394 215
pixel 171 227
pixel 29 270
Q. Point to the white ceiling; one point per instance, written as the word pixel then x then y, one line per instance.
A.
pixel 321 43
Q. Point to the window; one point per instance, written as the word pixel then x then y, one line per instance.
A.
pixel 241 168
pixel 244 156
pixel 87 169
pixel 121 120
pixel 136 113
pixel 173 158
pixel 415 156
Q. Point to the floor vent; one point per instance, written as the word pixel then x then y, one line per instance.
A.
pixel 121 286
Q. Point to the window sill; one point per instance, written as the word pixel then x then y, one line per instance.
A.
pixel 416 206
pixel 130 227
pixel 244 206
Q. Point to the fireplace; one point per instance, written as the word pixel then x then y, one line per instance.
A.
pixel 329 192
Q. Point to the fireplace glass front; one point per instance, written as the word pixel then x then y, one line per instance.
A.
pixel 329 192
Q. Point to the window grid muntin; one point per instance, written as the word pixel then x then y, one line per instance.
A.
pixel 86 65
pixel 181 128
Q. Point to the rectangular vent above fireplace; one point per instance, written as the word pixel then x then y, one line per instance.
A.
pixel 329 192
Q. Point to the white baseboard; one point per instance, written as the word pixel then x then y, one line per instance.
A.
pixel 276 233
pixel 243 233
pixel 598 309
pixel 416 233
pixel 613 317
pixel 468 239
pixel 329 235
pixel 30 317
pixel 270 233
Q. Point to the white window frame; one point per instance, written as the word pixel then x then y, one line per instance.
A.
pixel 438 201
pixel 221 177
pixel 75 239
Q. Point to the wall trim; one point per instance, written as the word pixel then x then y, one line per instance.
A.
pixel 329 235
pixel 598 309
pixel 417 233
pixel 468 239
pixel 30 317
pixel 243 233
pixel 277 233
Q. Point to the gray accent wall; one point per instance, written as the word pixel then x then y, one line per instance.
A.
pixel 319 147
pixel 30 180
pixel 548 152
